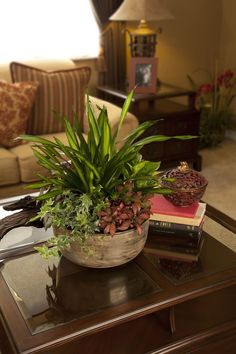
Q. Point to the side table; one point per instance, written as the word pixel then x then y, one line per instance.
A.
pixel 174 119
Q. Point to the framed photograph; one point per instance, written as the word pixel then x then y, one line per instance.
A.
pixel 143 74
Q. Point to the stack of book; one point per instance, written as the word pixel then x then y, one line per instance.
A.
pixel 175 232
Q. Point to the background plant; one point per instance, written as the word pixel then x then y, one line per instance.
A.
pixel 214 99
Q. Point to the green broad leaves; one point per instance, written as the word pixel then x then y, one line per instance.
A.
pixel 124 112
pixel 145 168
pixel 83 164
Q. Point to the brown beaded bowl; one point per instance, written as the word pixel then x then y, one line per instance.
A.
pixel 187 185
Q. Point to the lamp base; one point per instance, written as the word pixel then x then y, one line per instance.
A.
pixel 143 41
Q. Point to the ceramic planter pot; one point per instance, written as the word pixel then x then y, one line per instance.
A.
pixel 105 251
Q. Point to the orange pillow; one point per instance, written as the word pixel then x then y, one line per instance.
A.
pixel 16 101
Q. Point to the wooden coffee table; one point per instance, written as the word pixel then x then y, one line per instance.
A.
pixel 55 306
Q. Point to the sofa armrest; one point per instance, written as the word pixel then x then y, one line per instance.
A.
pixel 129 124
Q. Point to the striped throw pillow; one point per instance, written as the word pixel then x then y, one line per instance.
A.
pixel 61 91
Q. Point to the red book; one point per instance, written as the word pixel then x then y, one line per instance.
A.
pixel 160 205
pixel 163 210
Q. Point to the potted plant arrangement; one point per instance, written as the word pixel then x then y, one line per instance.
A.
pixel 96 197
pixel 214 99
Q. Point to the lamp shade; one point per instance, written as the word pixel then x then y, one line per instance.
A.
pixel 136 10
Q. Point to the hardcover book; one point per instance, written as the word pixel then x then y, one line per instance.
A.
pixel 184 254
pixel 162 210
pixel 178 241
pixel 171 228
pixel 161 205
pixel 174 240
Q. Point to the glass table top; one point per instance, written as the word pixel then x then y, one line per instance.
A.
pixel 214 257
pixel 54 292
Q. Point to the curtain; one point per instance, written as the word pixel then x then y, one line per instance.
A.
pixel 111 63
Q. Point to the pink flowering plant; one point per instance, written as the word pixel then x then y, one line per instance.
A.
pixel 214 99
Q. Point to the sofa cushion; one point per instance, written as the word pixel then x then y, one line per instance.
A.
pixel 60 91
pixel 8 167
pixel 28 166
pixel 16 104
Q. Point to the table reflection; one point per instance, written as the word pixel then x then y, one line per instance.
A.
pixel 51 293
pixel 82 291
pixel 214 257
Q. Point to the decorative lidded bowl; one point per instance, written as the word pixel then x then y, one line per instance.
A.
pixel 187 185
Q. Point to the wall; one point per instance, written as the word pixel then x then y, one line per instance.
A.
pixel 190 41
pixel 227 45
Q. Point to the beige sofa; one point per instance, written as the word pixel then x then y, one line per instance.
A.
pixel 18 165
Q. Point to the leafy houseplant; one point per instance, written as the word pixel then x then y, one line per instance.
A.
pixel 93 188
pixel 214 99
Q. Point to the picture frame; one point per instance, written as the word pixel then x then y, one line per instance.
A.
pixel 143 74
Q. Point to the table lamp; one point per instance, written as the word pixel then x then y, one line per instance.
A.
pixel 143 39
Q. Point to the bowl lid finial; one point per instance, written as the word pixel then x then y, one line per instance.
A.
pixel 183 167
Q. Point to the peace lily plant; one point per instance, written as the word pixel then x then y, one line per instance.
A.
pixel 92 186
